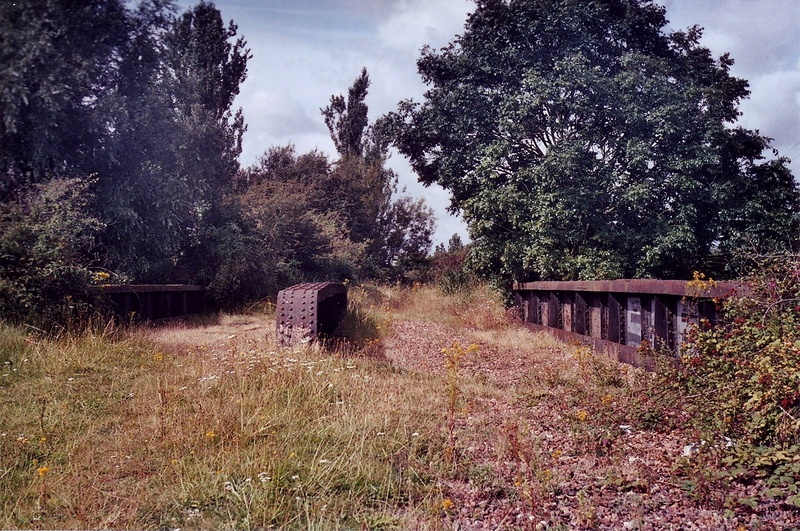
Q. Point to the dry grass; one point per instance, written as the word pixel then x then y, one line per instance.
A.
pixel 209 425
pixel 177 428
pixel 480 309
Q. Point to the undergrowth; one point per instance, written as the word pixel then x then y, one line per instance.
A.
pixel 738 383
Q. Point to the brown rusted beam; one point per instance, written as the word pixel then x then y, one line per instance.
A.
pixel 151 301
pixel 680 288
pixel 144 288
pixel 305 311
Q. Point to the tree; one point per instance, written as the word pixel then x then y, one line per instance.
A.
pixel 347 120
pixel 406 236
pixel 396 232
pixel 287 229
pixel 579 141
pixel 58 61
pixel 176 140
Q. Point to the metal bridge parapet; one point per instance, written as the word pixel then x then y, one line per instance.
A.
pixel 617 317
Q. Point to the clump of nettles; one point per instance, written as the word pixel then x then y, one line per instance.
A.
pixel 742 377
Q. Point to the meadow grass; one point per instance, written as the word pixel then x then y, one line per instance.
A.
pixel 208 424
pixel 100 431
pixel 184 427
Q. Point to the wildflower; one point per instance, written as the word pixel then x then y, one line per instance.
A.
pixel 447 504
pixel 556 454
pixel 606 400
pixel 42 471
pixel 582 415
pixel 210 434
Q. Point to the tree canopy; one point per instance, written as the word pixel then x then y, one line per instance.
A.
pixel 582 140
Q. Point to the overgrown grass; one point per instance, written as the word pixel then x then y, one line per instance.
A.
pixel 193 426
pixel 102 432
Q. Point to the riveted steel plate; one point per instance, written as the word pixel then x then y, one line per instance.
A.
pixel 306 311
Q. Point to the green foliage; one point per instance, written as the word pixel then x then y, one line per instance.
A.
pixel 347 120
pixel 737 385
pixel 148 96
pixel 396 231
pixel 58 62
pixel 594 145
pixel 45 243
pixel 751 359
pixel 449 269
pixel 148 101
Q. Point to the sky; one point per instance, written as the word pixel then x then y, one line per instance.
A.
pixel 304 51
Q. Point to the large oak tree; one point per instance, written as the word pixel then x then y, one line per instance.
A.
pixel 583 140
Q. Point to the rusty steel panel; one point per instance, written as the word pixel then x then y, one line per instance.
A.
pixel 306 311
pixel 615 323
pixel 579 315
pixel 565 300
pixel 661 318
pixel 680 288
pixel 595 320
pixel 553 313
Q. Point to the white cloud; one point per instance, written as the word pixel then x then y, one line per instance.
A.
pixel 774 107
pixel 414 23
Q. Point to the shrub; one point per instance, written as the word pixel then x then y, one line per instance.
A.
pixel 745 371
pixel 46 240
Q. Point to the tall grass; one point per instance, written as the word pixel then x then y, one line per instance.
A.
pixel 103 432
pixel 194 427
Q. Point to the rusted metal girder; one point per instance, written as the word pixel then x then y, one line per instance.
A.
pixel 306 311
pixel 135 302
pixel 619 316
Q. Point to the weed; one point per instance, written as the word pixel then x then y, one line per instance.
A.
pixel 453 356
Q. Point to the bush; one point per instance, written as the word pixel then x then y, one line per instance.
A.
pixel 449 269
pixel 746 370
pixel 46 239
